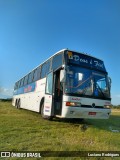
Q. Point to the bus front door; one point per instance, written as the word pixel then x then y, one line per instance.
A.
pixel 53 95
pixel 48 102
pixel 58 93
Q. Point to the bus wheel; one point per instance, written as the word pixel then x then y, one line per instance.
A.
pixel 18 104
pixel 42 110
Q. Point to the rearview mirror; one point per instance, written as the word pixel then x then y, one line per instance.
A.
pixel 62 76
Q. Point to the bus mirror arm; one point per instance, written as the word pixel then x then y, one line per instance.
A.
pixel 110 81
pixel 62 76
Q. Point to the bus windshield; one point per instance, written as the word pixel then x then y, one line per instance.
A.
pixel 84 81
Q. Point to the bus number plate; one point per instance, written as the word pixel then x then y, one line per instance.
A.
pixel 92 113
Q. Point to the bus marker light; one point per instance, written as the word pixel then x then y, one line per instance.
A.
pixel 70 55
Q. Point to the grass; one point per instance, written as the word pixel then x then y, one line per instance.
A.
pixel 22 130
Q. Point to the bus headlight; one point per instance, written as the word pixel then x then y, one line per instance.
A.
pixel 107 106
pixel 76 104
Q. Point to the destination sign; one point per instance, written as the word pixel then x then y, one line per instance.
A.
pixel 85 60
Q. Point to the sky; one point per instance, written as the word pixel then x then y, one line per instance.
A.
pixel 33 30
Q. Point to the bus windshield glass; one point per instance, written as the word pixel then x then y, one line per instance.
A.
pixel 87 82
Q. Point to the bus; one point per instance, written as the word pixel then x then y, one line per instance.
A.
pixel 69 84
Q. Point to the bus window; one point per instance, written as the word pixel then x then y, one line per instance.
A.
pixel 30 77
pixel 49 83
pixel 15 87
pixel 35 75
pixel 25 80
pixel 38 72
pixel 45 69
pixel 22 82
pixel 57 61
pixel 19 84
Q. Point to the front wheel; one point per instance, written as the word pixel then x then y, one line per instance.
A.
pixel 42 110
pixel 16 102
pixel 19 104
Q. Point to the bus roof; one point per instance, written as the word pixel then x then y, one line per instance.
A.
pixel 62 50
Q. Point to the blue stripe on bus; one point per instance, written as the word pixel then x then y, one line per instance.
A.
pixel 28 88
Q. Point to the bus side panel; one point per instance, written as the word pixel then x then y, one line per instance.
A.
pixel 31 100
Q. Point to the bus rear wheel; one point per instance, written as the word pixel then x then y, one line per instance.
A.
pixel 17 103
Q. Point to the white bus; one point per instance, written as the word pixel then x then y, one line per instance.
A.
pixel 67 85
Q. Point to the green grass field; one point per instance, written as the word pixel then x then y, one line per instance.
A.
pixel 22 130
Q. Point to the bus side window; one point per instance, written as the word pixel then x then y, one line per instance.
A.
pixel 15 87
pixel 19 84
pixel 48 67
pixel 26 80
pixel 57 61
pixel 29 78
pixel 22 82
pixel 32 76
pixel 45 69
pixel 38 72
pixel 42 69
pixel 35 75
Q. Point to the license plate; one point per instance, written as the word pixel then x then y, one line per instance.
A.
pixel 92 113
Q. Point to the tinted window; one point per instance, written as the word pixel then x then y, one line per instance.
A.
pixel 45 69
pixel 35 75
pixel 57 61
pixel 38 72
pixel 25 80
pixel 15 87
pixel 19 84
pixel 22 82
pixel 30 77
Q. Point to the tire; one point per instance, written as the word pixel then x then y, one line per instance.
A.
pixel 42 110
pixel 16 103
pixel 19 104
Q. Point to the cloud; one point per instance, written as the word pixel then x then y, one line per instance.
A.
pixel 6 92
